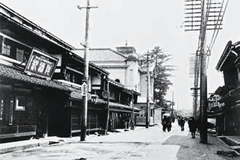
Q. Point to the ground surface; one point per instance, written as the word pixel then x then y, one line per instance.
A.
pixel 140 144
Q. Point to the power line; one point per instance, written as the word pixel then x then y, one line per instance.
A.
pixel 214 38
pixel 216 31
pixel 207 17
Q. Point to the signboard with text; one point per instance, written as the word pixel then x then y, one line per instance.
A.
pixel 84 89
pixel 41 64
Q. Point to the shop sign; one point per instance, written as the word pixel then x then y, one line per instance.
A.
pixel 76 95
pixel 84 89
pixel 41 64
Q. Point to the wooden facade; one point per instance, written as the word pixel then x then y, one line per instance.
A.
pixel 228 110
pixel 27 99
pixel 40 84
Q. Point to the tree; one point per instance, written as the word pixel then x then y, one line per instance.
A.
pixel 160 74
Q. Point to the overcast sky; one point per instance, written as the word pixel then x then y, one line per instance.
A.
pixel 144 24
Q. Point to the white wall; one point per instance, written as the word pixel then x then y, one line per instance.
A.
pixel 133 76
pixel 116 73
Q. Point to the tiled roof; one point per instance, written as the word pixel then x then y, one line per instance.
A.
pixel 12 73
pixel 102 54
pixel 32 27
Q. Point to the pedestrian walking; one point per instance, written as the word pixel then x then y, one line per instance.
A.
pixel 181 123
pixel 164 123
pixel 192 126
pixel 169 124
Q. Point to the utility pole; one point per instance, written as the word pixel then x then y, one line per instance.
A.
pixel 196 88
pixel 108 94
pixel 85 76
pixel 203 75
pixel 133 116
pixel 211 15
pixel 148 87
pixel 172 102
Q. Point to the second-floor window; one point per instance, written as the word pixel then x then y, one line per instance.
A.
pixel 15 50
pixel 20 55
pixel 73 77
pixel 6 50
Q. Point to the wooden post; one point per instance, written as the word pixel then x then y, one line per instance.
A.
pixel 148 87
pixel 108 94
pixel 85 76
pixel 203 76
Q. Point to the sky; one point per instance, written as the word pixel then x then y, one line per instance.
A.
pixel 143 24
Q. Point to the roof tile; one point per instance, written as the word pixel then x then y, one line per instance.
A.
pixel 12 73
pixel 102 54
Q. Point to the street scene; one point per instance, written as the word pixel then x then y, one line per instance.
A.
pixel 122 79
pixel 140 143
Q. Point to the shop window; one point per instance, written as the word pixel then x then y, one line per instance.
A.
pixel 20 103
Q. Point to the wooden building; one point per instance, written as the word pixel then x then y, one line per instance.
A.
pixel 27 92
pixel 40 84
pixel 228 110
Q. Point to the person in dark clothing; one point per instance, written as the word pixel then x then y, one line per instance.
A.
pixel 169 124
pixel 166 124
pixel 192 126
pixel 181 123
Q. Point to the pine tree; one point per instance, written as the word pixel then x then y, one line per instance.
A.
pixel 161 74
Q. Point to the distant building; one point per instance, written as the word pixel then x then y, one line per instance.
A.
pixel 124 66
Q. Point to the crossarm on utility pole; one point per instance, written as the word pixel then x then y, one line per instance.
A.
pixel 86 73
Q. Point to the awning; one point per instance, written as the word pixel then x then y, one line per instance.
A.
pixel 114 105
pixel 9 72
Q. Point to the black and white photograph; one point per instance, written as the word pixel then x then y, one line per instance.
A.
pixel 119 80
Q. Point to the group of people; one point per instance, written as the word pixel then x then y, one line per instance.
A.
pixel 166 123
pixel 192 123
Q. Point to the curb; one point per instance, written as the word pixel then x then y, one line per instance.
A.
pixel 13 148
